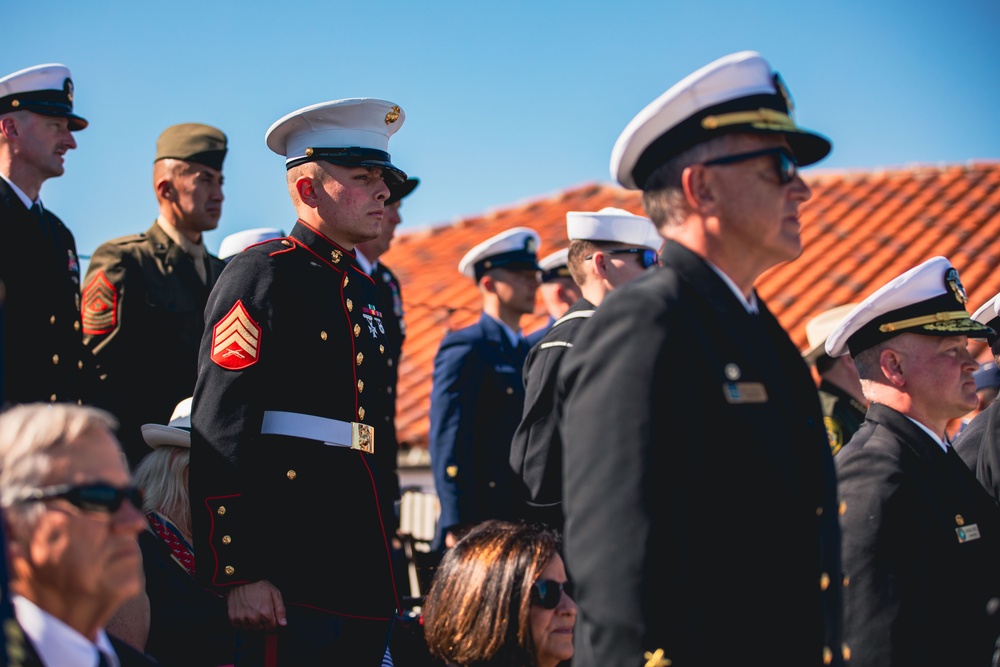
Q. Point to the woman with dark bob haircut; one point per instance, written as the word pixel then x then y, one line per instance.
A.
pixel 500 598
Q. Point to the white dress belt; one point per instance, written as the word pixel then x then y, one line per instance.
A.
pixel 331 432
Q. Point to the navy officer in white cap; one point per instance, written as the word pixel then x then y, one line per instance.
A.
pixel 288 508
pixel 979 442
pixel 698 485
pixel 608 248
pixel 43 354
pixel 921 537
pixel 477 392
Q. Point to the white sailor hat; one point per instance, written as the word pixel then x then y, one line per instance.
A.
pixel 929 299
pixel 613 224
pixel 44 89
pixel 989 314
pixel 352 132
pixel 515 249
pixel 177 432
pixel 239 241
pixel 555 266
pixel 736 93
pixel 819 328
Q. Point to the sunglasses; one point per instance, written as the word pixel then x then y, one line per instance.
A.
pixel 785 163
pixel 547 593
pixel 98 497
pixel 647 257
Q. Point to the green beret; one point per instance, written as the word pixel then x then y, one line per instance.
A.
pixel 192 142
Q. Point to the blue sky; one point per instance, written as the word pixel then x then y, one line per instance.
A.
pixel 505 101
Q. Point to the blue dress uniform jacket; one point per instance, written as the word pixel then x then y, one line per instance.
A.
pixel 477 398
pixel 395 330
pixel 536 449
pixel 921 547
pixel 296 321
pixel 43 354
pixel 143 319
pixel 978 445
pixel 698 486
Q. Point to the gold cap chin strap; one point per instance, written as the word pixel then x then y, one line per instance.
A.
pixel 889 327
pixel 767 119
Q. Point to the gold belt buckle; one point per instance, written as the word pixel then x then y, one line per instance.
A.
pixel 363 437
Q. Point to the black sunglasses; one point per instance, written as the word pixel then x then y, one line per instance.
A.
pixel 785 163
pixel 97 497
pixel 647 257
pixel 547 593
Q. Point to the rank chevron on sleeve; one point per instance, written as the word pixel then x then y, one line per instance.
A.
pixel 236 339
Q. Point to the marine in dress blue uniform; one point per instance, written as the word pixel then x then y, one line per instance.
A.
pixel 144 294
pixel 921 537
pixel 43 354
pixel 607 249
pixel 698 486
pixel 290 398
pixel 477 392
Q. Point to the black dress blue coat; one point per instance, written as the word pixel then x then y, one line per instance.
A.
pixel 698 485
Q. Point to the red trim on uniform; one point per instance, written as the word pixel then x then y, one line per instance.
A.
pixel 100 306
pixel 339 613
pixel 236 339
pixel 385 540
pixel 211 544
pixel 271 649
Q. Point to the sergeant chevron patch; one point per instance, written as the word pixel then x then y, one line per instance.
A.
pixel 236 340
pixel 100 307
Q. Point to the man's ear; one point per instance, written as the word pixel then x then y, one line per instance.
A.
pixel 306 190
pixel 891 363
pixel 488 284
pixel 8 127
pixel 164 188
pixel 696 181
pixel 601 260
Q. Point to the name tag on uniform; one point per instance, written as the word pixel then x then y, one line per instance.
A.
pixel 745 392
pixel 967 533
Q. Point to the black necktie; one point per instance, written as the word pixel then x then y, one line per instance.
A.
pixel 102 659
pixel 36 210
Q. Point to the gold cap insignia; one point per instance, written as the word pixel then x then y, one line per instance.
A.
pixel 309 152
pixel 954 284
pixel 392 116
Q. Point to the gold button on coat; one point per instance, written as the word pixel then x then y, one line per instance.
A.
pixel 322 335
pixel 291 474
pixel 361 414
pixel 361 358
pixel 221 510
pixel 361 386
pixel 226 539
pixel 230 570
pixel 824 581
pixel 357 330
pixel 510 390
pixel 55 359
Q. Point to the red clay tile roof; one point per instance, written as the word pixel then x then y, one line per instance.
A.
pixel 860 229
